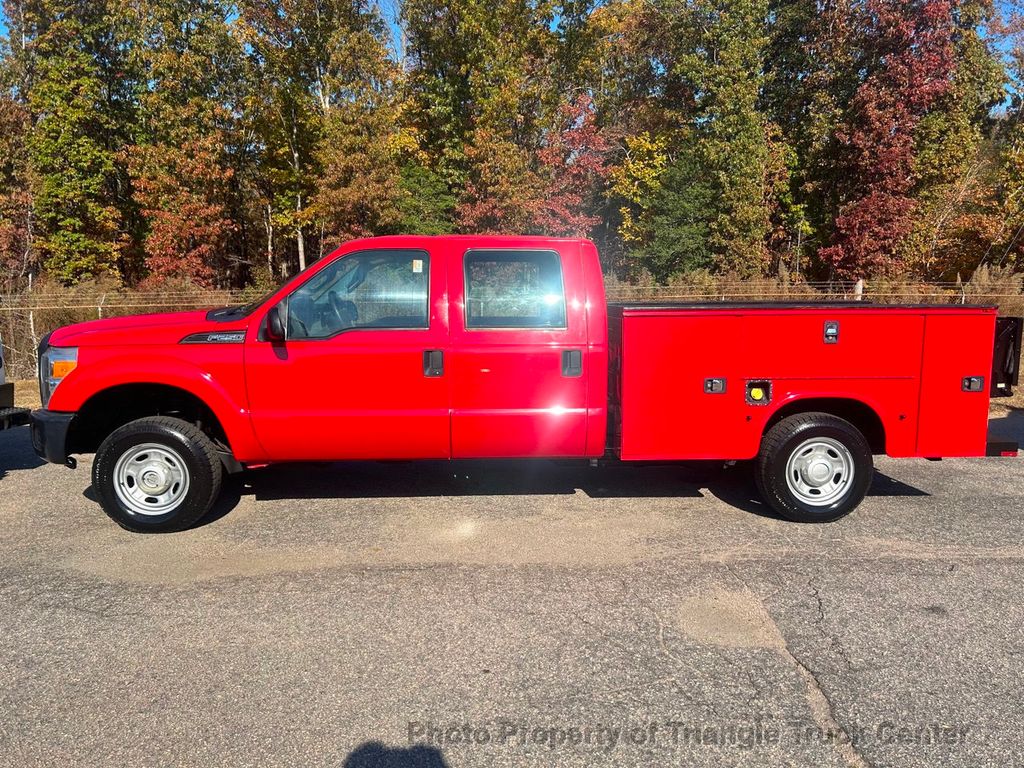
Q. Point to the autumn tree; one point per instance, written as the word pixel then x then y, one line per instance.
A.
pixel 812 71
pixel 367 143
pixel 289 42
pixel 645 105
pixel 77 91
pixel 218 143
pixel 18 257
pixel 908 54
pixel 953 153
pixel 712 169
pixel 480 77
pixel 1004 233
pixel 573 170
pixel 181 169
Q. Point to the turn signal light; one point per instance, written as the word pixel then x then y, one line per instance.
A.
pixel 61 368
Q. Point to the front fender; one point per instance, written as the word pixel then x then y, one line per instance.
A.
pixel 213 374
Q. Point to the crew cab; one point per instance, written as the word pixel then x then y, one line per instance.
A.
pixel 458 347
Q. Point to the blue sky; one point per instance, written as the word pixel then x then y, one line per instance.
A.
pixel 388 8
pixel 387 13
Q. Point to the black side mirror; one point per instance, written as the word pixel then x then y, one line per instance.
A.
pixel 275 325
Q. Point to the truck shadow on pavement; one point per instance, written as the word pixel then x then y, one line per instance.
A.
pixel 374 480
pixel 373 754
pixel 16 452
pixel 1008 426
pixel 369 480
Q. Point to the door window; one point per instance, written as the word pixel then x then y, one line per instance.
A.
pixel 365 290
pixel 514 289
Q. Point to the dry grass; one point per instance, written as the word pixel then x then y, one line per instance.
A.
pixel 26 393
pixel 1014 403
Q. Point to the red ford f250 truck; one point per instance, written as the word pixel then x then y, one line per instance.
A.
pixel 461 347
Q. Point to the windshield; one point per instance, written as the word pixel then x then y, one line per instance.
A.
pixel 225 314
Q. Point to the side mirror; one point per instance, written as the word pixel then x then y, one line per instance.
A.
pixel 275 325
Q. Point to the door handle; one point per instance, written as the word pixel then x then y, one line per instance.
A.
pixel 572 363
pixel 433 363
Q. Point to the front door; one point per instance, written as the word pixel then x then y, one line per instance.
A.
pixel 519 338
pixel 362 373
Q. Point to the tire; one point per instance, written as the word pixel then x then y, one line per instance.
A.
pixel 814 468
pixel 179 463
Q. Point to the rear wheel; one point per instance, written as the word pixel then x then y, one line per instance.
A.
pixel 157 475
pixel 814 467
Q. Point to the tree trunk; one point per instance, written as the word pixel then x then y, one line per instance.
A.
pixel 270 240
pixel 300 237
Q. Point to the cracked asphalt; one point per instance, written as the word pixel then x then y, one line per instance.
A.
pixel 521 614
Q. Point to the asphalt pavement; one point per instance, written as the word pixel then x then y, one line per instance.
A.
pixel 521 614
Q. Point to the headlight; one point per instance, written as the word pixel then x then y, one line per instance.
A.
pixel 54 364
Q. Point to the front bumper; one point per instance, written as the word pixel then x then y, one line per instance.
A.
pixel 50 435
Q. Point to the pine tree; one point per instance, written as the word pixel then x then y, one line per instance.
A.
pixel 733 137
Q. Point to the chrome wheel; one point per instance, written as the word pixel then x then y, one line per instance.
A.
pixel 820 471
pixel 151 479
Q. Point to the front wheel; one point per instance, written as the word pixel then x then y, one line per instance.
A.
pixel 814 468
pixel 156 475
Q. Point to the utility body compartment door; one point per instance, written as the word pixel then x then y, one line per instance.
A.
pixel 681 393
pixel 954 421
pixel 519 362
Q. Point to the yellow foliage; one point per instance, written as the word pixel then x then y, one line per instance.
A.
pixel 637 179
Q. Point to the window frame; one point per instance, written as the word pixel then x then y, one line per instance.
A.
pixel 465 291
pixel 426 327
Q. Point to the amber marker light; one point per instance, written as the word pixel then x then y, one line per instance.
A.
pixel 61 368
pixel 759 392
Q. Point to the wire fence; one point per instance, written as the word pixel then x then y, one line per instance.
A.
pixel 26 317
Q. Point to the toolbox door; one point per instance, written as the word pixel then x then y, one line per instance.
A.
pixel 954 405
pixel 681 395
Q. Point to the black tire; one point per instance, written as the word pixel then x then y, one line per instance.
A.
pixel 779 445
pixel 200 465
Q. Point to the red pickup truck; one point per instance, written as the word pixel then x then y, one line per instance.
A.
pixel 498 347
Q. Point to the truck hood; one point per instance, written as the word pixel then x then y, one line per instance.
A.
pixel 141 330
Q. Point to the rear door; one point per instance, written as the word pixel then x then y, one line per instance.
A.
pixel 518 337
